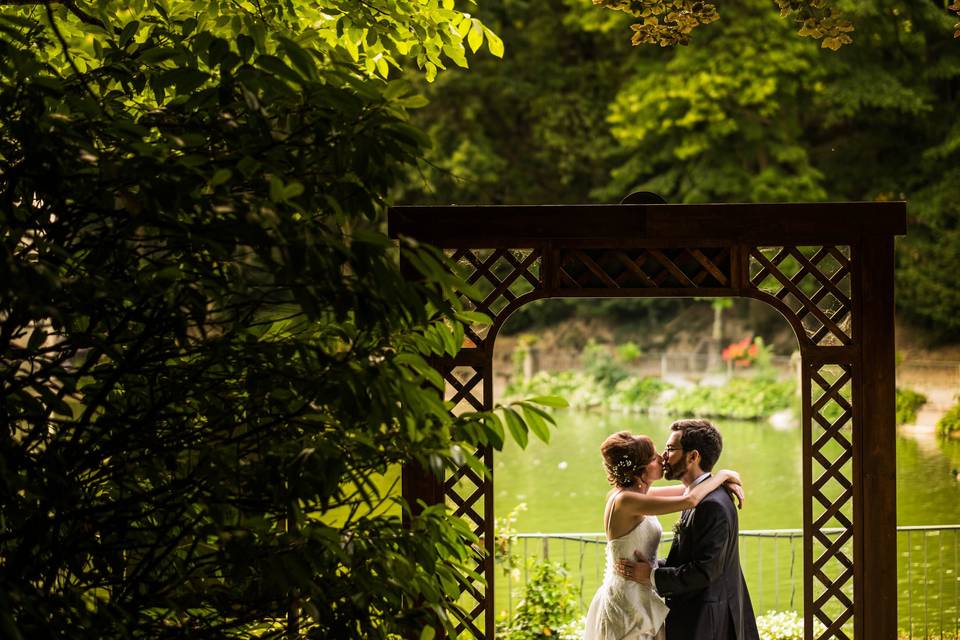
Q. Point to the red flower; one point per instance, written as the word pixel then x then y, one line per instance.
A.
pixel 742 353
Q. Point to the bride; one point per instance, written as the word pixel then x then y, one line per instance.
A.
pixel 623 609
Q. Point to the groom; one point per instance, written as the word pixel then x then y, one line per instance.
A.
pixel 701 578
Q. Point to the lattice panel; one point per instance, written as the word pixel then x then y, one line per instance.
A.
pixel 831 459
pixel 645 268
pixel 814 282
pixel 464 492
pixel 500 275
pixel 464 388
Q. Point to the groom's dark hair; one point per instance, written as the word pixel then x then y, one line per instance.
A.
pixel 697 434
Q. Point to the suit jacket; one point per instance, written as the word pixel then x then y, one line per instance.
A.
pixel 701 578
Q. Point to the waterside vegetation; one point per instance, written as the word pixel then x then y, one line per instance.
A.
pixel 757 392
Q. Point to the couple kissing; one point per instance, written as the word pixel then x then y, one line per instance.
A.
pixel 698 592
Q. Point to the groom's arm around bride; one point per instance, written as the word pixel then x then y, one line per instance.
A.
pixel 704 551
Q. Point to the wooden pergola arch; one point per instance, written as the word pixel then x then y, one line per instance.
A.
pixel 827 267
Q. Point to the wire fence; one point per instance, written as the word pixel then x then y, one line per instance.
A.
pixel 928 583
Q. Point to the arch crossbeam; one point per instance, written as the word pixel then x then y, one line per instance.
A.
pixel 826 267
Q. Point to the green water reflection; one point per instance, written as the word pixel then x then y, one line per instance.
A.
pixel 563 484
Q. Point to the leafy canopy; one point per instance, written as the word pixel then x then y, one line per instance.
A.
pixel 748 112
pixel 213 363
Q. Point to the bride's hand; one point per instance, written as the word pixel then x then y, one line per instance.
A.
pixel 736 492
pixel 729 476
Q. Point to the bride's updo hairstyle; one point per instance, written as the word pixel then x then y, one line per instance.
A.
pixel 625 455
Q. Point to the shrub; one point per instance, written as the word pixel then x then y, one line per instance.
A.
pixel 636 394
pixel 908 403
pixel 601 365
pixel 504 533
pixel 211 354
pixel 629 352
pixel 949 424
pixel 738 398
pixel 581 390
pixel 548 608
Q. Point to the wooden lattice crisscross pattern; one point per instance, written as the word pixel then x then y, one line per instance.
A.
pixel 831 572
pixel 500 275
pixel 814 282
pixel 465 492
pixel 684 268
pixel 465 388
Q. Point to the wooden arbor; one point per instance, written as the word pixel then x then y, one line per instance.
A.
pixel 828 268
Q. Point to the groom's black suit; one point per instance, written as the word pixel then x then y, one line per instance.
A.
pixel 701 578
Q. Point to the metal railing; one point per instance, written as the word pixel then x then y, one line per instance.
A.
pixel 928 572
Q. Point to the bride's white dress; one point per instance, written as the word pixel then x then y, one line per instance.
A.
pixel 623 609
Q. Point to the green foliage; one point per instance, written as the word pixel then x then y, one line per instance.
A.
pixel 548 606
pixel 927 258
pixel 749 112
pixel 582 391
pixel 949 424
pixel 603 383
pixel 644 314
pixel 742 398
pixel 212 360
pixel 579 389
pixel 721 121
pixel 739 398
pixel 504 532
pixel 637 394
pixel 601 365
pixel 628 352
pixel 529 129
pixel 908 403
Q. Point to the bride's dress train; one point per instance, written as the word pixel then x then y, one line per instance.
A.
pixel 623 609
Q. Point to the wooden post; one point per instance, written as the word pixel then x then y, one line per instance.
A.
pixel 875 541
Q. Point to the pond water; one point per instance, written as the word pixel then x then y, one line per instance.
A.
pixel 563 484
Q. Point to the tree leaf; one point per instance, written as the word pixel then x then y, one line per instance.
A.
pixel 494 43
pixel 300 57
pixel 536 423
pixel 418 364
pixel 185 79
pixel 475 36
pixel 37 338
pixel 556 402
pixel 129 31
pixel 516 426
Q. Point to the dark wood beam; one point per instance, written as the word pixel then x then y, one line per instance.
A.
pixel 635 225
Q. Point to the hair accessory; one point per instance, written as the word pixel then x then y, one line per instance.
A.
pixel 622 470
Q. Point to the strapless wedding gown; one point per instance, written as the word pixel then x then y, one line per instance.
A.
pixel 623 609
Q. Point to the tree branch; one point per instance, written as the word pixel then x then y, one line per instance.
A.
pixel 71 6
